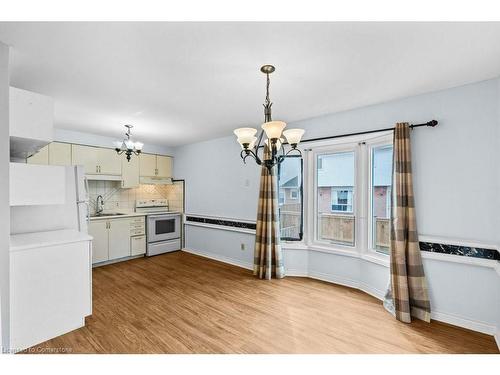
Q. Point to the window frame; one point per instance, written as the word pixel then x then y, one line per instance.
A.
pixel 380 142
pixel 360 250
pixel 314 234
pixel 301 192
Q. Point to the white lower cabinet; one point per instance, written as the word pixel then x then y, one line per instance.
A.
pixel 138 245
pixel 117 238
pixel 99 230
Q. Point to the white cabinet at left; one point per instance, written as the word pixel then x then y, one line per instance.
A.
pixel 31 121
pixel 50 287
pixel 37 184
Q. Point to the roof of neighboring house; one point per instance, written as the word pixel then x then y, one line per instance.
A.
pixel 291 183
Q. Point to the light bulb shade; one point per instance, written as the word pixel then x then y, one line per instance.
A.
pixel 139 146
pixel 293 136
pixel 118 144
pixel 251 144
pixel 273 129
pixel 245 135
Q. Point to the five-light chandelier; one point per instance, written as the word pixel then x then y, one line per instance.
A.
pixel 128 146
pixel 274 131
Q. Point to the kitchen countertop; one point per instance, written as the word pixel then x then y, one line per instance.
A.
pixel 25 241
pixel 123 214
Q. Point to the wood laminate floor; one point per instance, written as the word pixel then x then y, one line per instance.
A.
pixel 183 303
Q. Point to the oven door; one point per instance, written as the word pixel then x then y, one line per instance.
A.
pixel 163 227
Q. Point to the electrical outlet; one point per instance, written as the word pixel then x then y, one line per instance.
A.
pixel 242 247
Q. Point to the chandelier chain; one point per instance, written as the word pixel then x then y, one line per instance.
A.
pixel 267 89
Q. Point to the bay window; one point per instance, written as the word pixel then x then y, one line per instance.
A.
pixel 349 195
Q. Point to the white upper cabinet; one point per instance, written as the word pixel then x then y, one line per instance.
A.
pixel 41 157
pixel 31 121
pixel 59 153
pixel 155 166
pixel 109 162
pixel 147 165
pixel 130 172
pixel 86 156
pixel 97 160
pixel 164 166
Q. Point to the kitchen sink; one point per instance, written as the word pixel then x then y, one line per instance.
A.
pixel 109 214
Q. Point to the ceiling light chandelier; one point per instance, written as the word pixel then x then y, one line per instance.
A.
pixel 273 130
pixel 128 146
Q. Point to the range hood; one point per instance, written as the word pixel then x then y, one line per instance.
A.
pixel 156 180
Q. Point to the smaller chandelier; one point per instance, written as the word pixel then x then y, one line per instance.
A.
pixel 128 146
pixel 274 130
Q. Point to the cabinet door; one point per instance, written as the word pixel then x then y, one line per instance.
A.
pixel 86 156
pixel 164 166
pixel 59 153
pixel 130 172
pixel 137 245
pixel 109 162
pixel 119 238
pixel 147 166
pixel 99 230
pixel 41 157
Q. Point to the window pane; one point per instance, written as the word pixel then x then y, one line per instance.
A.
pixel 290 201
pixel 381 198
pixel 335 208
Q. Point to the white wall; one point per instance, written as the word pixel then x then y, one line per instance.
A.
pixel 4 195
pixel 453 163
pixel 71 136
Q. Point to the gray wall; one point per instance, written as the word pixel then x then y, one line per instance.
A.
pixel 4 194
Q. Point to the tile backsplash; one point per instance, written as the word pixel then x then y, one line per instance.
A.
pixel 117 198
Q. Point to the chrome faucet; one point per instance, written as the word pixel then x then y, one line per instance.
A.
pixel 99 205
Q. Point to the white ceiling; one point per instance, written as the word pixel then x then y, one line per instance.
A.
pixel 183 82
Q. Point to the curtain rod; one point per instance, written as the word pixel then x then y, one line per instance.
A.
pixel 431 123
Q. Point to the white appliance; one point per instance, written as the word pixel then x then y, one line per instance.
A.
pixel 163 227
pixel 50 253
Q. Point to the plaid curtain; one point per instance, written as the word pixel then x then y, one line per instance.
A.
pixel 407 296
pixel 268 258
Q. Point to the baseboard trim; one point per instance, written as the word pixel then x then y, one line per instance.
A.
pixel 464 323
pixel 334 279
pixel 221 258
pixel 295 273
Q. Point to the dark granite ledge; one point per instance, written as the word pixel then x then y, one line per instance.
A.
pixel 221 222
pixel 466 251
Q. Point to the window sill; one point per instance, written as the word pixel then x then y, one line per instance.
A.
pixel 366 255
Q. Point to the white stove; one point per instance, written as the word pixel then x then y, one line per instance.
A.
pixel 163 227
pixel 151 205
